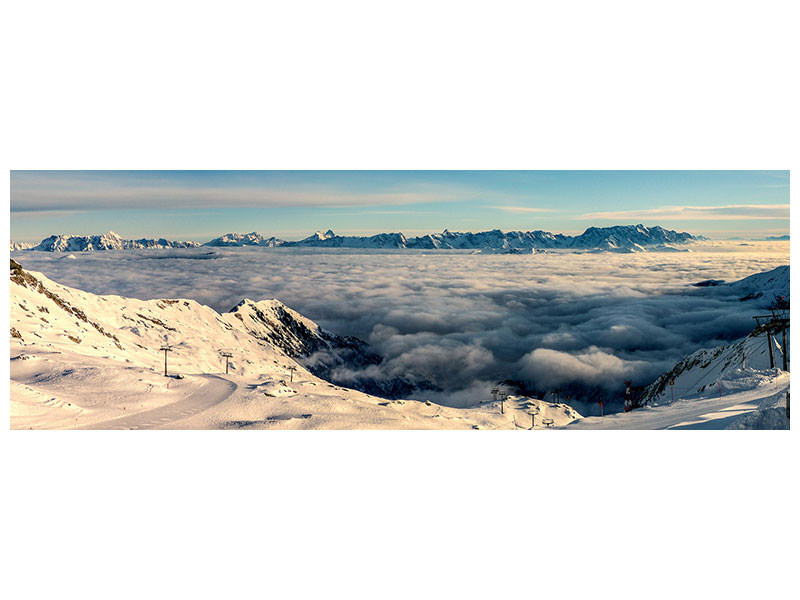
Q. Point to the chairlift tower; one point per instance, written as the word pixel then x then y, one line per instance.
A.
pixel 165 347
pixel 227 355
pixel 771 324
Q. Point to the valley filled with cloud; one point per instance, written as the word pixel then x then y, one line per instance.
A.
pixel 459 321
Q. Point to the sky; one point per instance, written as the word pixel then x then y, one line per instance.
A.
pixel 200 205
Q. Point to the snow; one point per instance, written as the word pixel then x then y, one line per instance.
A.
pixel 80 360
pixel 769 285
pixel 728 387
pixel 709 410
pixel 212 391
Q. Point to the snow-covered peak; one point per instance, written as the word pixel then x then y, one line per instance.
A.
pixel 273 321
pixel 106 241
pixel 628 237
pixel 318 236
pixel 246 239
pixel 769 284
pixel 15 246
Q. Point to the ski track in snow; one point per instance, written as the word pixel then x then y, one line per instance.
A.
pixel 705 412
pixel 212 393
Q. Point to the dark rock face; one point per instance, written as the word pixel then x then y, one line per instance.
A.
pixel 709 283
pixel 342 360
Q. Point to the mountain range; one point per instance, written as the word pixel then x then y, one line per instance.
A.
pixel 106 241
pixel 619 238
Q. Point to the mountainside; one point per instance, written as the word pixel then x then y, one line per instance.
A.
pixel 20 245
pixel 325 354
pixel 767 287
pixel 704 368
pixel 268 323
pixel 107 241
pixel 79 360
pixel 330 240
pixel 741 369
pixel 621 238
pixel 247 239
pixel 634 237
pixel 731 386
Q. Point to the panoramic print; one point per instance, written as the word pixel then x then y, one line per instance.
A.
pixel 518 300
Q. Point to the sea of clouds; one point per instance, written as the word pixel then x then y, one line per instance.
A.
pixel 465 321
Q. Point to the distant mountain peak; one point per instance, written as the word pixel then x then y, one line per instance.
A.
pixel 617 238
pixel 105 241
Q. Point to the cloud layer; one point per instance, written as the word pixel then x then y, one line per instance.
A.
pixel 465 321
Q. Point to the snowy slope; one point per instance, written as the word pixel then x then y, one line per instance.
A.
pixel 715 370
pixel 768 285
pixel 756 401
pixel 79 360
pixel 730 386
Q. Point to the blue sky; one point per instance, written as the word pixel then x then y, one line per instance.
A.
pixel 200 205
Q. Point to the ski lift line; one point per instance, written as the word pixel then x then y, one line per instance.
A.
pixel 771 324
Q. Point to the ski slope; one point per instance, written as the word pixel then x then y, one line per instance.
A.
pixel 711 410
pixel 213 391
pixel 83 361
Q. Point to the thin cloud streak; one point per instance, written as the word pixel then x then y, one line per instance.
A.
pixel 523 209
pixel 34 191
pixel 167 197
pixel 734 212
